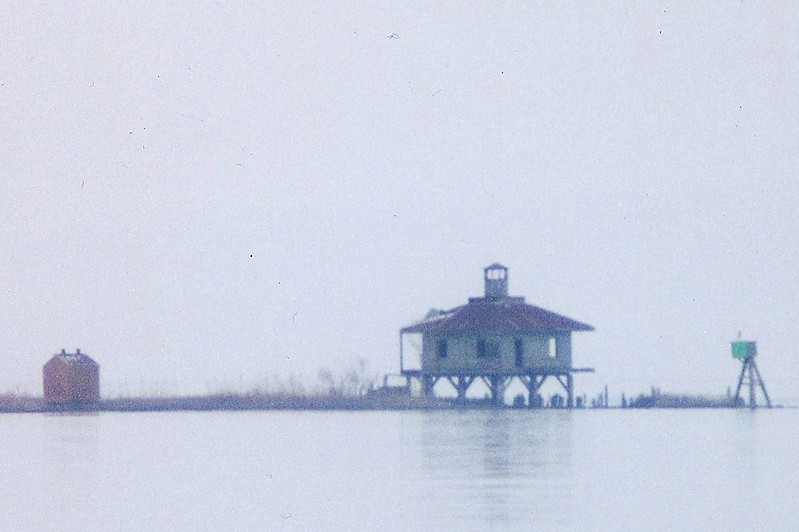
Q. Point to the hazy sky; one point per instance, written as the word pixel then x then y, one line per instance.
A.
pixel 212 195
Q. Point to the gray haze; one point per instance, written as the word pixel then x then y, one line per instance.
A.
pixel 207 197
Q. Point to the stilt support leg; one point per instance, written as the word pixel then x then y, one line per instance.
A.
pixel 567 381
pixel 569 391
pixel 461 385
pixel 533 383
pixel 428 382
pixel 496 386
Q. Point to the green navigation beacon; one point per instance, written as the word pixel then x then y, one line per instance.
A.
pixel 745 351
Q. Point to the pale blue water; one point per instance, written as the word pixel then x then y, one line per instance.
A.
pixel 473 470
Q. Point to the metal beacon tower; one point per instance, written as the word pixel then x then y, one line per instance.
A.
pixel 745 352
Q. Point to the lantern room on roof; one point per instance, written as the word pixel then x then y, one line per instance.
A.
pixel 497 337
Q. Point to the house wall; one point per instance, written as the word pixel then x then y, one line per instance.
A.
pixel 462 353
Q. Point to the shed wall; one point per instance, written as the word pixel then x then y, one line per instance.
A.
pixel 67 383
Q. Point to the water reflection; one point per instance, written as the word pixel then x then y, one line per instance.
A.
pixel 449 470
pixel 70 443
pixel 497 468
pixel 744 452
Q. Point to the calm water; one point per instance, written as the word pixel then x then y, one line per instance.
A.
pixel 474 470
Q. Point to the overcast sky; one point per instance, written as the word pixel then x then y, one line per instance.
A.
pixel 212 195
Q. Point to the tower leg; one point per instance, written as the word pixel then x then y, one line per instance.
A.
pixel 762 384
pixel 740 383
pixel 750 372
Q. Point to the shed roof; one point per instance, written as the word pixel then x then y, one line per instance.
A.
pixel 75 359
pixel 504 315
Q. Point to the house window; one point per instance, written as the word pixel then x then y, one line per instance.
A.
pixel 441 349
pixel 492 349
pixel 519 349
pixel 487 348
pixel 553 347
pixel 481 348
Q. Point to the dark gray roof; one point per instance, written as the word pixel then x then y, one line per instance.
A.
pixel 482 315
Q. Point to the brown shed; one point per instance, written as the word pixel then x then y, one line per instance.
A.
pixel 71 378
